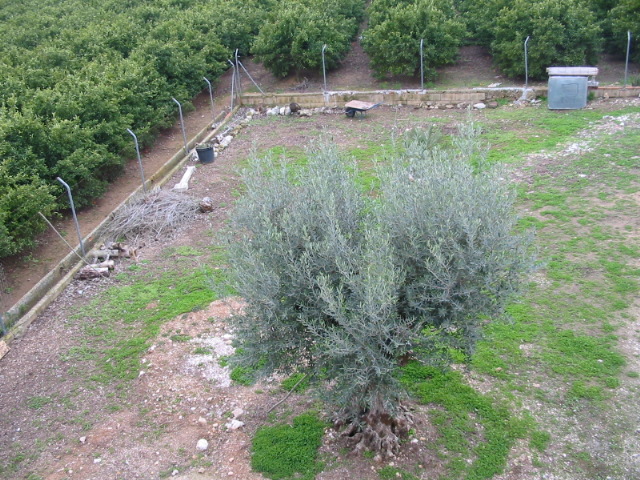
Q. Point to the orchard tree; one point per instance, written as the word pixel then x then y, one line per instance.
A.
pixel 602 11
pixel 21 198
pixel 480 18
pixel 623 18
pixel 237 23
pixel 291 40
pixel 563 32
pixel 347 285
pixel 393 39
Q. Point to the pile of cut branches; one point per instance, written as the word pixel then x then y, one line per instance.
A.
pixel 155 214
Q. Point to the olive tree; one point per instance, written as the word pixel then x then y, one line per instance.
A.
pixel 347 285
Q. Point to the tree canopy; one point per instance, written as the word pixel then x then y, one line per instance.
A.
pixel 347 285
pixel 392 40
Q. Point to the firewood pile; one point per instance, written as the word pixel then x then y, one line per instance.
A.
pixel 102 260
pixel 152 215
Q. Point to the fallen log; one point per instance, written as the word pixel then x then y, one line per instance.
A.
pixel 89 272
pixel 126 250
pixel 110 264
pixel 106 253
pixel 183 185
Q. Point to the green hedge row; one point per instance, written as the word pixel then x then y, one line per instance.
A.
pixel 563 32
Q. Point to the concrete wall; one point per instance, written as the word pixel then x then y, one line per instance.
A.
pixel 616 92
pixel 413 97
pixel 389 97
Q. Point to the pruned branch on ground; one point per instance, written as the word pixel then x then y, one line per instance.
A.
pixel 155 214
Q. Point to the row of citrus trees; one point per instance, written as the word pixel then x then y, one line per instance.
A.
pixel 76 73
pixel 562 32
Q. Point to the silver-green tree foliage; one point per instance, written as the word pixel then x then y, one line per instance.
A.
pixel 347 284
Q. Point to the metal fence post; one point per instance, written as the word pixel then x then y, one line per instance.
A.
pixel 233 81
pixel 526 65
pixel 184 134
pixel 238 86
pixel 135 139
pixel 73 211
pixel 422 64
pixel 626 64
pixel 213 114
pixel 3 289
pixel 324 68
pixel 250 77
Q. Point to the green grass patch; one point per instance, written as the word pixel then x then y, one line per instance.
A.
pixel 122 323
pixel 14 463
pixel 570 356
pixel 37 403
pixel 180 338
pixel 183 251
pixel 202 351
pixel 290 383
pixel 285 451
pixel 515 133
pixel 242 375
pixel 539 440
pixel 583 356
pixel 462 409
pixel 393 473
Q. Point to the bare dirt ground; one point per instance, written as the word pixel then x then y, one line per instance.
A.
pixel 58 425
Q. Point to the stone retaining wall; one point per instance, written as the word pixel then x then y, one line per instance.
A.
pixel 414 97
